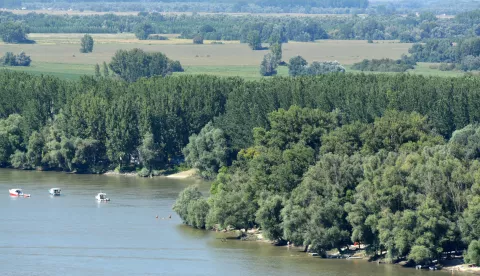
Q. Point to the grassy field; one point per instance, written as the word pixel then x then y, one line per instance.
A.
pixel 58 54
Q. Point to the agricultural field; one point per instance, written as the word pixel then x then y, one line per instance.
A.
pixel 58 54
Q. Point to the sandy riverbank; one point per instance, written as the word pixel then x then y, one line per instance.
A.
pixel 181 175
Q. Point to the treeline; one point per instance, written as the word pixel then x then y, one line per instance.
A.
pixel 464 53
pixel 261 6
pixel 10 59
pixel 270 29
pixel 92 125
pixel 315 179
pixel 386 65
pixel 117 117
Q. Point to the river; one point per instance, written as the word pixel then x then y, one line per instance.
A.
pixel 73 234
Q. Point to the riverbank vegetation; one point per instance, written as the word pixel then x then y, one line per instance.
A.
pixel 384 160
pixel 314 179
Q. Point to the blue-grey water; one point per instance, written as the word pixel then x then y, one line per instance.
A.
pixel 73 234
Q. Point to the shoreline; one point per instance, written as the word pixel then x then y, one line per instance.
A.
pixel 180 175
pixel 255 235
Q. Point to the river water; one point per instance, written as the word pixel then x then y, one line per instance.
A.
pixel 73 234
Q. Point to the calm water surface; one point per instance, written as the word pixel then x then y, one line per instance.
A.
pixel 75 235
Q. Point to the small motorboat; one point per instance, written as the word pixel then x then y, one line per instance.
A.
pixel 54 191
pixel 18 193
pixel 102 197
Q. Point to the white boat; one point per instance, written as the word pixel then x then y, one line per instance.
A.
pixel 54 191
pixel 102 197
pixel 18 193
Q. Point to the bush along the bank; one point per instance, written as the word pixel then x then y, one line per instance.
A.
pixel 313 178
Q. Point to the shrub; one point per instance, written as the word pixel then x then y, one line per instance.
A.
pixel 144 172
pixel 384 65
pixel 9 59
pixel 157 37
pixel 198 39
pixel 446 67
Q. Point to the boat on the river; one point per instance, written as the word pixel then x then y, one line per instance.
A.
pixel 102 197
pixel 54 191
pixel 18 193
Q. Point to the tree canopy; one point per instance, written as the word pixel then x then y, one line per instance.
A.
pixel 14 32
pixel 86 44
pixel 134 64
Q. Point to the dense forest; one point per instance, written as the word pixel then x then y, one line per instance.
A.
pixel 116 116
pixel 315 179
pixel 410 28
pixel 385 160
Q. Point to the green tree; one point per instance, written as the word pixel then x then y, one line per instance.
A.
pixel 269 65
pixel 395 129
pixel 34 150
pixel 276 50
pixel 12 137
pixel 473 253
pixel 122 131
pixel 86 44
pixel 106 73
pixel 198 39
pixel 148 152
pixel 297 66
pixel 467 141
pixel 143 31
pixel 470 223
pixel 89 156
pixel 254 40
pixel 22 59
pixel 134 64
pixel 420 255
pixel 97 71
pixel 9 59
pixel 207 151
pixel 314 216
pixel 13 32
pixel 270 218
pixel 319 68
pixel 192 207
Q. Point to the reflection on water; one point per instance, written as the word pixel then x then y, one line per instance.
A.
pixel 73 234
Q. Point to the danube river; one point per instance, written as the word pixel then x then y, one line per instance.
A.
pixel 73 234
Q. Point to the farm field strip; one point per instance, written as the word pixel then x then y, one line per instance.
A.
pixel 58 54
